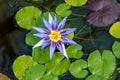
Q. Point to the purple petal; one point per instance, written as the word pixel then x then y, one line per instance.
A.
pixel 52 49
pixel 55 23
pixel 65 32
pixel 46 43
pixel 62 23
pixel 47 24
pixel 41 35
pixel 61 48
pixel 67 40
pixel 50 19
pixel 41 30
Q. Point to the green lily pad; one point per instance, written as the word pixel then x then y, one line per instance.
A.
pixel 102 66
pixel 70 36
pixel 35 72
pixel 21 64
pixel 74 51
pixel 118 69
pixel 115 30
pixel 116 49
pixel 63 10
pixel 26 17
pixel 76 2
pixel 93 77
pixel 58 65
pixel 41 55
pixel 77 69
pixel 49 77
pixel 30 39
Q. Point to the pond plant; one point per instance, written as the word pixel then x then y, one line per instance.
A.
pixel 62 39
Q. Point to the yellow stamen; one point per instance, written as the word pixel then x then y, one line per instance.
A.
pixel 55 36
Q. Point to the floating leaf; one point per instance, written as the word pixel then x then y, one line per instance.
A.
pixel 102 66
pixel 77 69
pixel 74 51
pixel 26 17
pixel 63 10
pixel 30 39
pixel 103 12
pixel 115 30
pixel 93 77
pixel 58 65
pixel 116 49
pixel 41 55
pixel 49 77
pixel 70 36
pixel 118 69
pixel 21 64
pixel 35 72
pixel 76 2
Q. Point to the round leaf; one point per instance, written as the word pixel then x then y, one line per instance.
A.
pixel 58 65
pixel 70 36
pixel 26 17
pixel 95 63
pixel 74 51
pixel 118 69
pixel 21 64
pixel 93 77
pixel 35 72
pixel 115 30
pixel 49 77
pixel 62 10
pixel 116 49
pixel 30 39
pixel 102 66
pixel 41 55
pixel 76 2
pixel 109 62
pixel 77 69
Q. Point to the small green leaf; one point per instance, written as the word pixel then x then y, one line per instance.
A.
pixel 63 10
pixel 21 64
pixel 41 55
pixel 95 63
pixel 109 63
pixel 70 36
pixel 118 69
pixel 76 2
pixel 26 17
pixel 115 30
pixel 74 51
pixel 58 65
pixel 35 72
pixel 102 66
pixel 116 49
pixel 30 39
pixel 77 69
pixel 49 77
pixel 93 77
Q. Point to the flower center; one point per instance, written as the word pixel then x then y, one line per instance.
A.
pixel 55 36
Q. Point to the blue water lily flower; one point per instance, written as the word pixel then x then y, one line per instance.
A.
pixel 54 35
